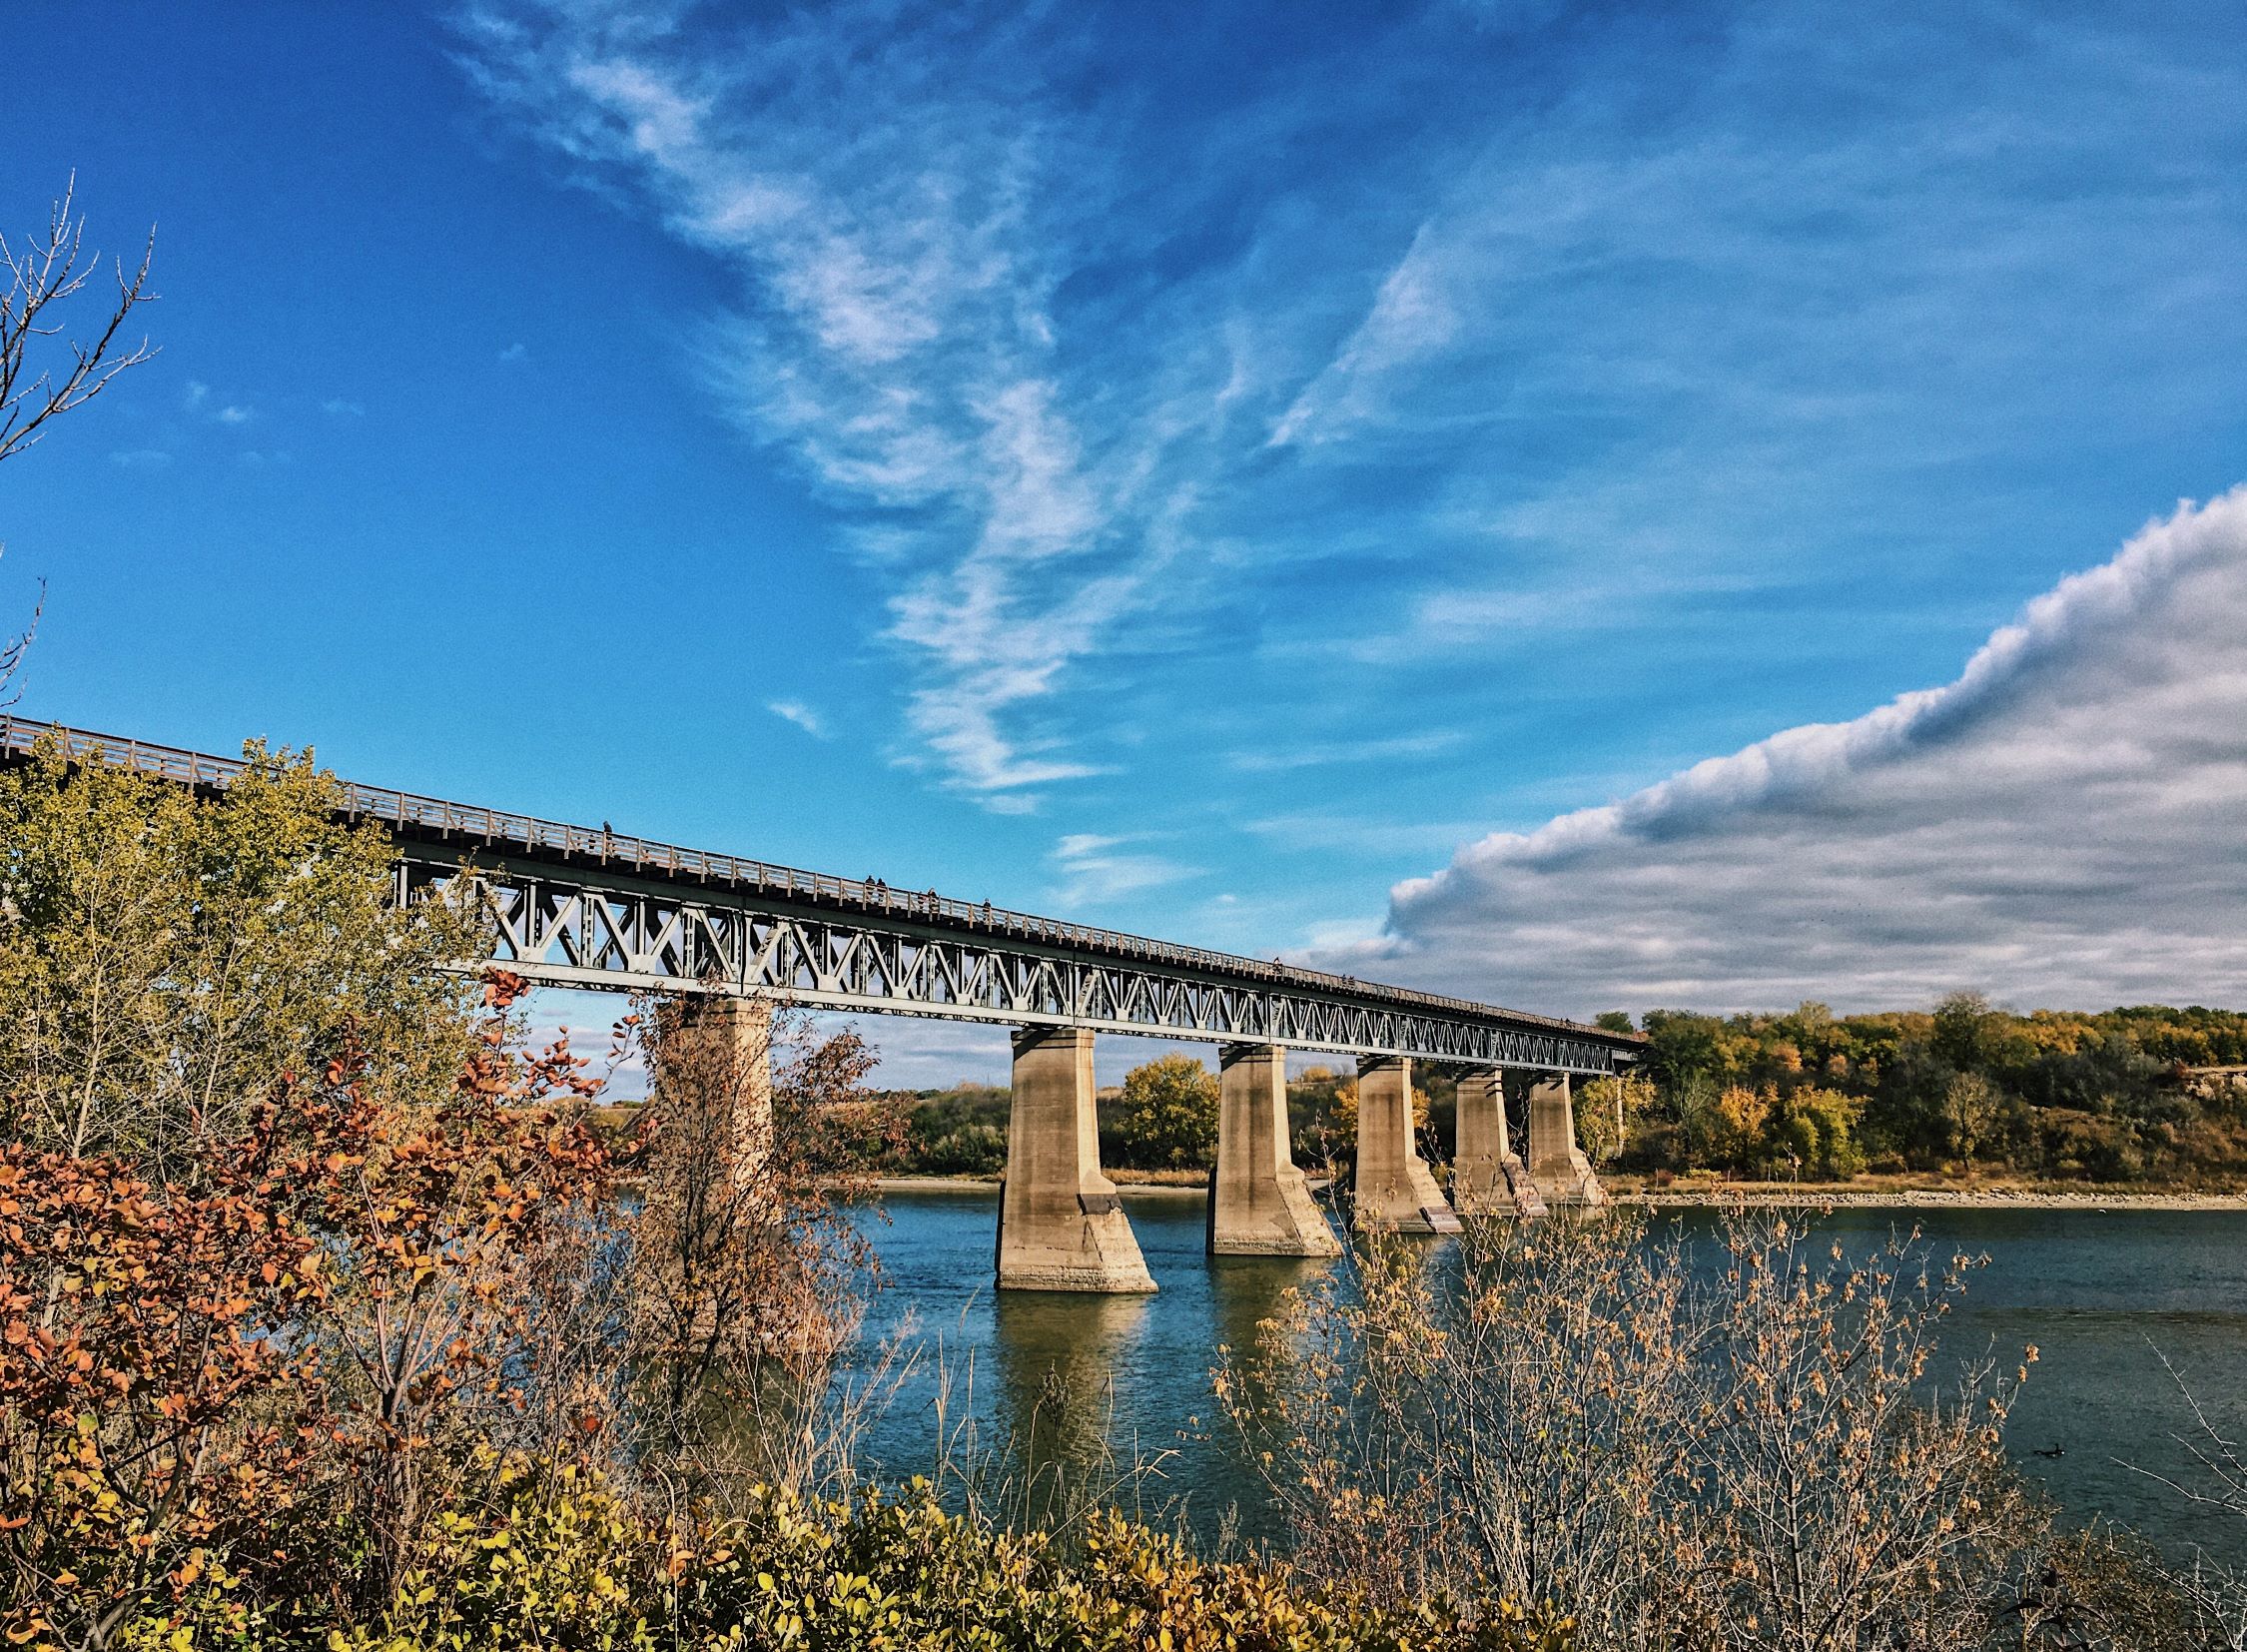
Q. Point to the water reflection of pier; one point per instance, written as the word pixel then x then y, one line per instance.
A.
pixel 1054 1361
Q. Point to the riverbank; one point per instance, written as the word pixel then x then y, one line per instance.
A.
pixel 1172 1187
pixel 1949 1198
pixel 1921 1192
pixel 1702 1193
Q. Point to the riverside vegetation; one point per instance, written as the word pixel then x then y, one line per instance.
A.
pixel 328 1320
pixel 2148 1098
pixel 2126 1096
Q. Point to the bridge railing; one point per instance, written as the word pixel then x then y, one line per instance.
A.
pixel 19 737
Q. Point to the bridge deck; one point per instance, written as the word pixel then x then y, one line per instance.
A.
pixel 597 890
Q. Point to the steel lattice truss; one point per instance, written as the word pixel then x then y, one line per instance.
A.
pixel 576 932
pixel 577 905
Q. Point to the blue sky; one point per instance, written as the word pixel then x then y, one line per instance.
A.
pixel 1254 475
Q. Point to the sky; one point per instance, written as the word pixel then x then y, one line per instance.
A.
pixel 1583 507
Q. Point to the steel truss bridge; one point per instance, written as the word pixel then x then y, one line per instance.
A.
pixel 586 906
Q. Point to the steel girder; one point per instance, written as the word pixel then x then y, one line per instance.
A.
pixel 580 906
pixel 578 932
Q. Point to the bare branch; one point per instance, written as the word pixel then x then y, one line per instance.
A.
pixel 13 650
pixel 45 272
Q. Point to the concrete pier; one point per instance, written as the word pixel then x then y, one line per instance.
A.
pixel 1396 1192
pixel 1557 1165
pixel 1488 1177
pixel 1260 1203
pixel 1060 1222
pixel 715 1053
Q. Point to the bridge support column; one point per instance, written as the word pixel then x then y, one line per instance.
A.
pixel 714 1060
pixel 1488 1177
pixel 1260 1205
pixel 1060 1222
pixel 1397 1194
pixel 1557 1165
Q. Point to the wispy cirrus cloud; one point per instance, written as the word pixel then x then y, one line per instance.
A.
pixel 1341 753
pixel 891 195
pixel 1595 387
pixel 1095 869
pixel 802 715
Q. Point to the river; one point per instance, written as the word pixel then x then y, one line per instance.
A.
pixel 2103 1296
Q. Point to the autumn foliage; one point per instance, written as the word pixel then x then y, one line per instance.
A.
pixel 155 1408
pixel 185 1368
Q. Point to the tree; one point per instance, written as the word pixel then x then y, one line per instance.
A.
pixel 46 270
pixel 1818 1126
pixel 1739 1118
pixel 1604 1111
pixel 1963 1027
pixel 745 1272
pixel 1169 1119
pixel 447 1228
pixel 166 959
pixel 1972 1106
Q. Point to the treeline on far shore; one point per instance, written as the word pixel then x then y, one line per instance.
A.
pixel 2138 1095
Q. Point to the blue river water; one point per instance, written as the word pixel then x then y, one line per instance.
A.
pixel 2104 1297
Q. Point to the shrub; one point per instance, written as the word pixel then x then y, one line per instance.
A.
pixel 1168 1119
pixel 958 1132
pixel 1758 1455
pixel 969 1150
pixel 562 1558
pixel 154 1408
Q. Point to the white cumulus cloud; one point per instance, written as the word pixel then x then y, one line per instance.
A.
pixel 2066 823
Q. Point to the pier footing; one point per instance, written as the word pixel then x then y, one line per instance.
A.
pixel 1488 1177
pixel 1557 1165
